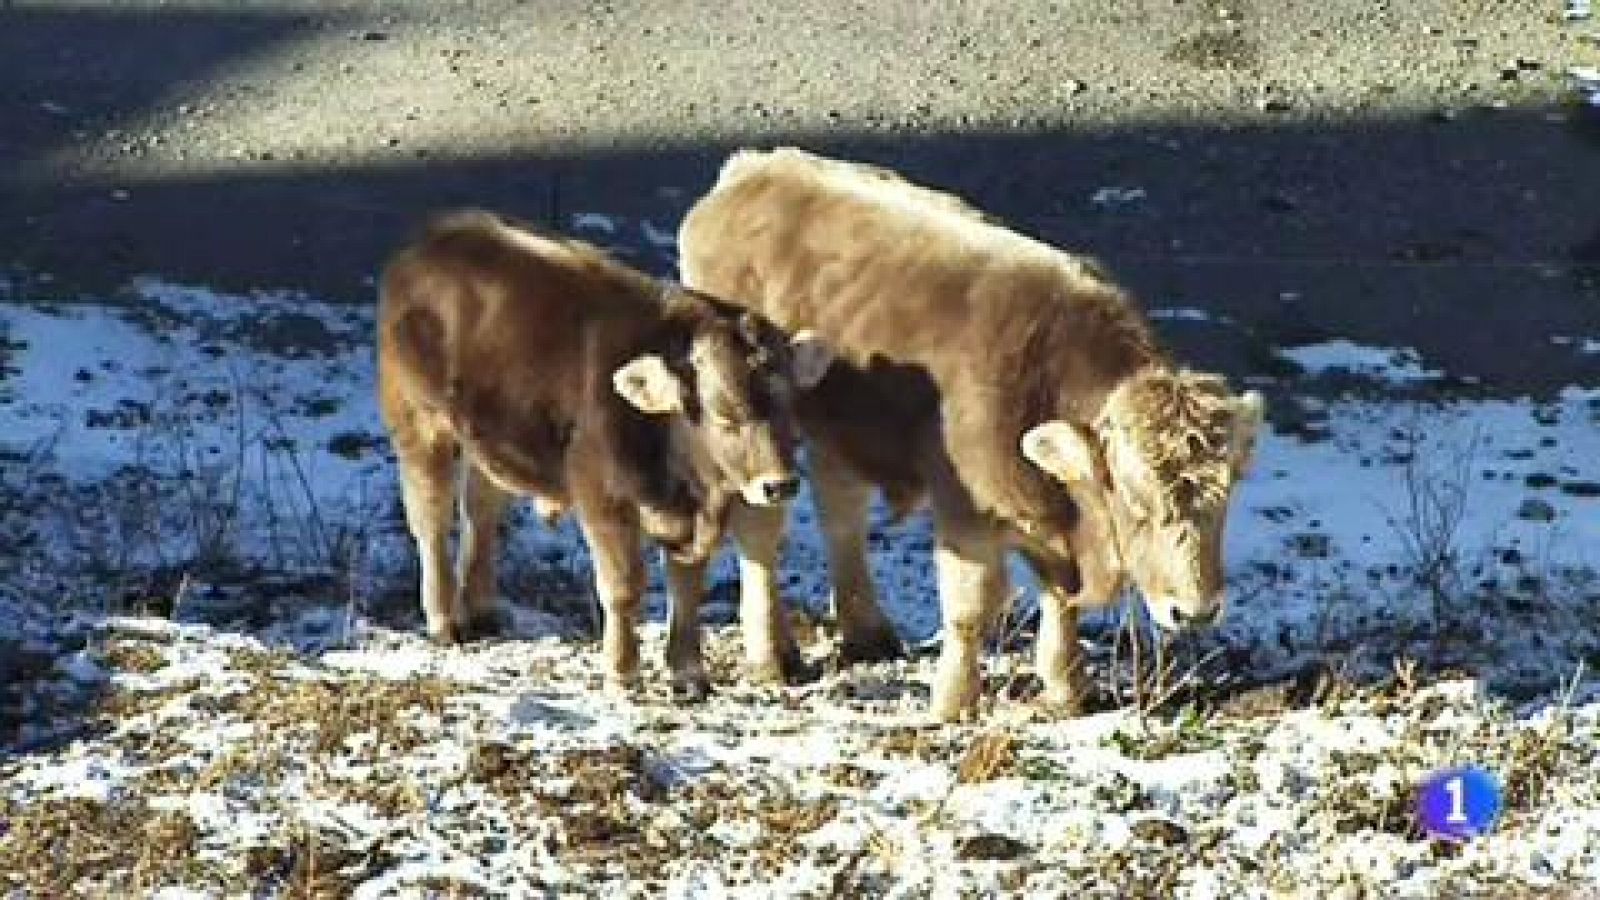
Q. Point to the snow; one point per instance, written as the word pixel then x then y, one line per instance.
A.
pixel 664 237
pixel 1392 363
pixel 253 420
pixel 1115 197
pixel 81 667
pixel 1180 313
pixel 1586 346
pixel 75 775
pixel 594 222
pixel 1586 80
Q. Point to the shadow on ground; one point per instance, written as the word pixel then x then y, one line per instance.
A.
pixel 1461 239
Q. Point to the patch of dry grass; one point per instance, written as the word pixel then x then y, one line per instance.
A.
pixel 66 846
pixel 335 711
pixel 119 704
pixel 990 756
pixel 252 761
pixel 785 823
pixel 849 776
pixel 600 798
pixel 445 888
pixel 923 744
pixel 1350 802
pixel 141 657
pixel 391 793
pixel 311 865
pixel 1535 758
pixel 263 661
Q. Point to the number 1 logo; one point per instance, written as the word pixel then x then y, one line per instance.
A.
pixel 1456 787
pixel 1459 803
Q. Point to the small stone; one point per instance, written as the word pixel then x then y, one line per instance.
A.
pixel 1534 509
pixel 375 36
pixel 1160 831
pixel 1312 545
pixel 990 847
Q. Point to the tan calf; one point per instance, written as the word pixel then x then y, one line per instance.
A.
pixel 1014 385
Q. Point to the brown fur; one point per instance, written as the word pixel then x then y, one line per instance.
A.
pixel 958 337
pixel 505 347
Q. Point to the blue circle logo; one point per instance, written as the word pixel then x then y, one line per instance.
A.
pixel 1459 803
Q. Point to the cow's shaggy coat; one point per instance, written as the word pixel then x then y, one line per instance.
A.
pixel 1015 385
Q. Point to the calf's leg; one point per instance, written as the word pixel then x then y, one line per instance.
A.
pixel 1092 581
pixel 1057 655
pixel 483 505
pixel 972 588
pixel 685 587
pixel 770 651
pixel 426 457
pixel 843 499
pixel 619 575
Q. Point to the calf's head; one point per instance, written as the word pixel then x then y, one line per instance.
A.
pixel 1160 462
pixel 726 377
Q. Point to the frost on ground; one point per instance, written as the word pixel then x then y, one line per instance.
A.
pixel 229 765
pixel 211 679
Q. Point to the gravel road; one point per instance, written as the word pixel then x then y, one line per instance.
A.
pixel 1415 173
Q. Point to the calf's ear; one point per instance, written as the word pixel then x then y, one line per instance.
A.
pixel 1062 450
pixel 647 383
pixel 1248 412
pixel 811 358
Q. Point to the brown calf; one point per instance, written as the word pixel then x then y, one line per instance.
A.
pixel 511 362
pixel 1013 384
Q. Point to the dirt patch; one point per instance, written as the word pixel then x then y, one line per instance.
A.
pixel 1216 49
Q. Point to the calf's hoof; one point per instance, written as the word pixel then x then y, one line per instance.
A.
pixel 691 687
pixel 486 624
pixel 450 634
pixel 879 645
pixel 790 670
pixel 622 687
pixel 954 701
pixel 1057 703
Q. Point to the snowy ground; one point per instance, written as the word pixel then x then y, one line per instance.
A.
pixel 207 639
